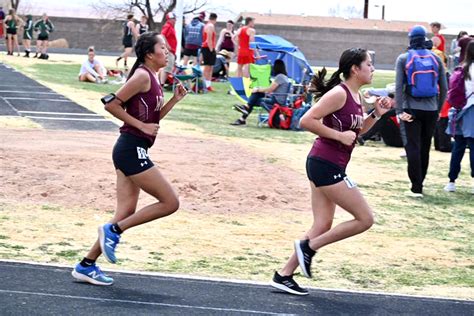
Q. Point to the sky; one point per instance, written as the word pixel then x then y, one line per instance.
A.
pixel 452 14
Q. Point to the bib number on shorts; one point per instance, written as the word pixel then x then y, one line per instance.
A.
pixel 142 154
pixel 350 184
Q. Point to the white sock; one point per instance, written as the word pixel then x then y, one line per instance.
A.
pixel 208 83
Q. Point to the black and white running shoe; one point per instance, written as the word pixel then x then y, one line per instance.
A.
pixel 304 254
pixel 287 284
pixel 241 108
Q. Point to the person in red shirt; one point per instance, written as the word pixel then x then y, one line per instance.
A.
pixel 245 55
pixel 2 17
pixel 169 33
pixel 435 28
pixel 208 50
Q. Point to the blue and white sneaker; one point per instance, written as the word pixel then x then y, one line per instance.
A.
pixel 91 274
pixel 108 242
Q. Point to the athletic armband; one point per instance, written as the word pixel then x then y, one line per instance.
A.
pixel 109 98
pixel 374 116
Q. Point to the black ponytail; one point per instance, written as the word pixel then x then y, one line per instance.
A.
pixel 350 57
pixel 145 45
pixel 468 60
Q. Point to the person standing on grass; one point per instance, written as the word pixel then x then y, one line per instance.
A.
pixel 169 33
pixel 419 95
pixel 2 17
pixel 44 27
pixel 435 28
pixel 465 138
pixel 226 38
pixel 209 50
pixel 337 119
pixel 28 35
pixel 139 103
pixel 245 55
pixel 129 33
pixel 142 27
pixel 12 23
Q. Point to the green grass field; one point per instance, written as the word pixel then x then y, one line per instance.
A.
pixel 416 246
pixel 213 118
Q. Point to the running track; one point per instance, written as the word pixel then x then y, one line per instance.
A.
pixel 32 289
pixel 22 96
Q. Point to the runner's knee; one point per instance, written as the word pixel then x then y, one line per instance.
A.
pixel 367 220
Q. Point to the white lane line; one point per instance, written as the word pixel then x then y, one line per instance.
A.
pixel 59 113
pixel 20 98
pixel 10 105
pixel 64 118
pixel 16 86
pixel 29 92
pixel 141 303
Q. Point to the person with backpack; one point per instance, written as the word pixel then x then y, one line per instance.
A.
pixel 461 96
pixel 193 39
pixel 337 118
pixel 420 92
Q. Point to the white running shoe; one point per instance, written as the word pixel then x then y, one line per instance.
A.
pixel 412 194
pixel 450 187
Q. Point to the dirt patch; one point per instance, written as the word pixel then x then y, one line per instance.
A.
pixel 75 169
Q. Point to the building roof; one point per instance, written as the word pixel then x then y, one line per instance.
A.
pixel 333 22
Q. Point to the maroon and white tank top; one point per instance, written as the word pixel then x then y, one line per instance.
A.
pixel 145 107
pixel 349 117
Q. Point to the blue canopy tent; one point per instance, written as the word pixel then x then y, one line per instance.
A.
pixel 276 47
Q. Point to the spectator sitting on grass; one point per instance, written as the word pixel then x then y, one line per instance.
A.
pixel 92 70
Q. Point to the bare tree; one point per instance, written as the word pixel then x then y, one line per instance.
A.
pixel 347 11
pixel 366 9
pixel 15 4
pixel 155 11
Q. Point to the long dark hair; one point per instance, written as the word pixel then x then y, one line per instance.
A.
pixel 468 60
pixel 145 45
pixel 279 67
pixel 350 57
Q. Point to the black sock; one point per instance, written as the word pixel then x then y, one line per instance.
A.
pixel 307 248
pixel 86 262
pixel 116 229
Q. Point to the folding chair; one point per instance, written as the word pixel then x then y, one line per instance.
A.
pixel 191 81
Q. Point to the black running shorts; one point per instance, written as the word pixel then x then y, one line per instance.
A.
pixel 43 37
pixel 322 172
pixel 130 154
pixel 127 42
pixel 208 57
pixel 191 52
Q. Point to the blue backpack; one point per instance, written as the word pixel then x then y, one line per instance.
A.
pixel 194 32
pixel 422 71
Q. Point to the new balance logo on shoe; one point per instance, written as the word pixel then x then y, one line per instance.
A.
pixel 93 274
pixel 110 243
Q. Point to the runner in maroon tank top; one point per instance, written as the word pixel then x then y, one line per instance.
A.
pixel 342 121
pixel 139 103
